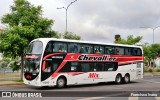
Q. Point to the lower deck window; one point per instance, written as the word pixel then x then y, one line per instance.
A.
pixel 89 67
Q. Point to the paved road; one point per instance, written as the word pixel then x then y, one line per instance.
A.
pixel 149 85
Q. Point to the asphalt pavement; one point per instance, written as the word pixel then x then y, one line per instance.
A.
pixel 147 88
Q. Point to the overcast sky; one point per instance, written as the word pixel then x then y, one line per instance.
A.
pixel 100 20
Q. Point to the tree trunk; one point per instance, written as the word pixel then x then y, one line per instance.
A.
pixel 22 66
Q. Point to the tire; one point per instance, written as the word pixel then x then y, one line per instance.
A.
pixel 118 79
pixel 126 79
pixel 61 82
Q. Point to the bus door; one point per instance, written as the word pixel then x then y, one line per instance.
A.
pixel 46 72
pixel 50 68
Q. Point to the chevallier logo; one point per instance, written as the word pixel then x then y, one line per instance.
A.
pixel 96 58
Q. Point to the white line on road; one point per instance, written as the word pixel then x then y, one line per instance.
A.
pixel 157 98
pixel 151 81
pixel 132 98
pixel 92 98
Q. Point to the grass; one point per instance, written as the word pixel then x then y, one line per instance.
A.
pixel 152 74
pixel 9 76
pixel 18 80
pixel 151 71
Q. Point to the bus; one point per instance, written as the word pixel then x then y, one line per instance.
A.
pixel 62 62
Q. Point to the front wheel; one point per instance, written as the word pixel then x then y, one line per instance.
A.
pixel 118 79
pixel 61 82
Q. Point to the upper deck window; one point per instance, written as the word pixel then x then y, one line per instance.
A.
pixel 56 47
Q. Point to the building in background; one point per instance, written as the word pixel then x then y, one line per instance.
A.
pixel 157 62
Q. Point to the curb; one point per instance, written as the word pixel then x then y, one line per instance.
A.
pixel 9 84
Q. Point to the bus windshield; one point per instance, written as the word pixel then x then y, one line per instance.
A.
pixel 35 48
pixel 32 58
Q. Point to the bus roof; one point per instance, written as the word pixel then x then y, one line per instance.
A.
pixel 46 40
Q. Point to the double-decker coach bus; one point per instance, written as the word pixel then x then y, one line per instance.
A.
pixel 60 62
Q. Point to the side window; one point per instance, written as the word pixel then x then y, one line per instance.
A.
pixel 81 50
pixel 86 67
pixel 109 50
pixel 98 67
pixel 73 48
pixel 87 49
pixel 55 66
pixel 75 67
pixel 119 50
pixel 66 68
pixel 128 51
pixel 59 47
pixel 137 52
pixel 99 49
pixel 111 66
pixel 49 48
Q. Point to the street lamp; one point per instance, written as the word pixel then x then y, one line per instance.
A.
pixel 153 28
pixel 66 8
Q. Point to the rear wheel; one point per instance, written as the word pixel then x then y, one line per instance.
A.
pixel 118 79
pixel 126 79
pixel 61 82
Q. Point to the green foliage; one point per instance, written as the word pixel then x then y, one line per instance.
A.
pixel 70 35
pixel 150 70
pixel 15 66
pixel 4 62
pixel 158 70
pixel 25 23
pixel 151 52
pixel 147 69
pixel 117 37
pixel 12 63
pixel 130 40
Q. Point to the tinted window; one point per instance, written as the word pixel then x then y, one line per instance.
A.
pixel 111 66
pixel 86 67
pixel 99 49
pixel 119 50
pixel 98 67
pixel 137 52
pixel 75 67
pixel 73 48
pixel 59 47
pixel 109 50
pixel 49 48
pixel 84 48
pixel 128 51
pixel 133 51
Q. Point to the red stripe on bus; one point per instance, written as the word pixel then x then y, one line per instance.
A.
pixel 44 66
pixel 59 68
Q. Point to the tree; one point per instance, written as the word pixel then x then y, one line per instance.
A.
pixel 25 23
pixel 4 63
pixel 70 35
pixel 117 37
pixel 151 52
pixel 130 40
